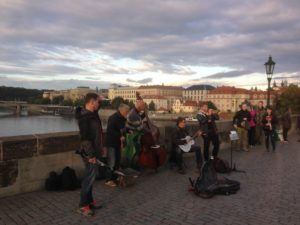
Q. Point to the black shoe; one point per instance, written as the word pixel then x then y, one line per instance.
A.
pixel 93 205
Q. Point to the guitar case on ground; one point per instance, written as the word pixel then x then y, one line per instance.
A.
pixel 207 184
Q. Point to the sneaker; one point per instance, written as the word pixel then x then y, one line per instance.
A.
pixel 93 205
pixel 246 149
pixel 110 183
pixel 86 211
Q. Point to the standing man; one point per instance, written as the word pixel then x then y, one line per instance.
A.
pixel 241 123
pixel 206 119
pixel 286 123
pixel 114 136
pixel 260 112
pixel 90 130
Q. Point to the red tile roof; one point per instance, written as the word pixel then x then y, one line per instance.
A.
pixel 153 97
pixel 160 87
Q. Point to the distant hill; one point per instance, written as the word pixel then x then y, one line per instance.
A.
pixel 19 94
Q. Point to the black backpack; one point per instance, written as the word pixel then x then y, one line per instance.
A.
pixel 207 184
pixel 221 165
pixel 69 179
pixel 53 182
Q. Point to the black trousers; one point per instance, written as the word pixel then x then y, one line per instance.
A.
pixel 178 153
pixel 284 133
pixel 214 139
pixel 251 136
pixel 270 136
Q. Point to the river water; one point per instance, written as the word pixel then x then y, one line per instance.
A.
pixel 22 125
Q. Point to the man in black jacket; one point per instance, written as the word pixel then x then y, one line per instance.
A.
pixel 90 130
pixel 114 136
pixel 178 138
pixel 206 119
pixel 241 123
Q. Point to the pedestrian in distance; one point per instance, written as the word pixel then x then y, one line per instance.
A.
pixel 269 122
pixel 252 123
pixel 286 124
pixel 259 131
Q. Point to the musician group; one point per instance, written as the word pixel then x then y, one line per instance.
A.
pixel 132 140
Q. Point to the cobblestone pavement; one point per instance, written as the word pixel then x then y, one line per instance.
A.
pixel 270 194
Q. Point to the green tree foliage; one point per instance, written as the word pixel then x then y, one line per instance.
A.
pixel 79 102
pixel 117 101
pixel 211 105
pixel 131 104
pixel 289 98
pixel 67 102
pixel 105 104
pixel 19 94
pixel 152 106
pixel 58 100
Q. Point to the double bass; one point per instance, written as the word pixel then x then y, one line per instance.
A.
pixel 151 155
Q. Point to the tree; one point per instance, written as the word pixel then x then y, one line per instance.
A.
pixel 152 106
pixel 57 100
pixel 79 102
pixel 67 102
pixel 116 102
pixel 289 98
pixel 211 105
pixel 131 104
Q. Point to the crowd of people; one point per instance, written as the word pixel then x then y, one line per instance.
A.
pixel 126 127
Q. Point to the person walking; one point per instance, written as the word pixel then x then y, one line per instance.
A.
pixel 259 131
pixel 90 130
pixel 252 123
pixel 269 122
pixel 241 124
pixel 286 124
pixel 114 136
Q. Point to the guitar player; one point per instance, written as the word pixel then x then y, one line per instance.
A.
pixel 178 138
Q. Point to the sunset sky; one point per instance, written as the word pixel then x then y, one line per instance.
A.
pixel 62 44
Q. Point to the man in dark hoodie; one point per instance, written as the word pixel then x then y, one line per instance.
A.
pixel 115 133
pixel 206 119
pixel 90 129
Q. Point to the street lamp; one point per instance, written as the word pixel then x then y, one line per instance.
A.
pixel 269 71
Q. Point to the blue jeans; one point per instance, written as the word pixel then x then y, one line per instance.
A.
pixel 86 195
pixel 114 159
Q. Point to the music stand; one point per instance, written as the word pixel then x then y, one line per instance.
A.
pixel 233 138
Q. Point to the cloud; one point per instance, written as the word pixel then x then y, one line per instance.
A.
pixel 92 38
pixel 230 74
pixel 143 81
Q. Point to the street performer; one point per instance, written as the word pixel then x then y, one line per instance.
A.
pixel 179 138
pixel 114 136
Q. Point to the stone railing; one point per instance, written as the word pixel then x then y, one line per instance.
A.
pixel 25 161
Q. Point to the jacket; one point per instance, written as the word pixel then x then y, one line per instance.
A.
pixel 207 123
pixel 90 130
pixel 260 112
pixel 115 129
pixel 274 121
pixel 239 117
pixel 286 120
pixel 135 120
pixel 178 135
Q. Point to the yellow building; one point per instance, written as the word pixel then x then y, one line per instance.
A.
pixel 171 93
pixel 185 106
pixel 73 94
pixel 197 92
pixel 127 93
pixel 161 103
pixel 228 98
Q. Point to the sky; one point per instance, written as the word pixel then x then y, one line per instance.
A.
pixel 61 44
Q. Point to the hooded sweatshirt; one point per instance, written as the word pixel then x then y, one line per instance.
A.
pixel 90 129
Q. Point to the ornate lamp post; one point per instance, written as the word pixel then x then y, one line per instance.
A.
pixel 269 71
